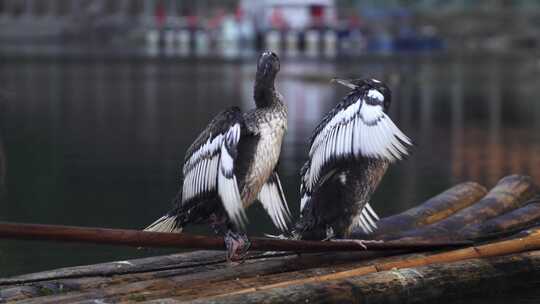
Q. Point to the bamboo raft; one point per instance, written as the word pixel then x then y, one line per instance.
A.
pixel 505 255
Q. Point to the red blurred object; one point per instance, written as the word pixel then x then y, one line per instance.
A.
pixel 355 21
pixel 217 19
pixel 161 15
pixel 239 14
pixel 317 14
pixel 277 20
pixel 317 11
pixel 192 21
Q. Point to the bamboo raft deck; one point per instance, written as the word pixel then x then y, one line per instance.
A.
pixel 505 255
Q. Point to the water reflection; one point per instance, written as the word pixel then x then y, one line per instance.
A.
pixel 99 143
pixel 2 170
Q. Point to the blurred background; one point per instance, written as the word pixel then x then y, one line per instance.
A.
pixel 99 99
pixel 239 28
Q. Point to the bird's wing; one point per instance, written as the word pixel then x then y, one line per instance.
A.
pixel 353 129
pixel 210 162
pixel 367 219
pixel 273 200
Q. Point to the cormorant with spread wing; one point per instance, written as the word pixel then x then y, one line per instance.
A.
pixel 350 151
pixel 233 163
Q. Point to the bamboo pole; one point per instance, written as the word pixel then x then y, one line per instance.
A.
pixel 510 193
pixel 527 243
pixel 519 219
pixel 433 210
pixel 202 274
pixel 138 238
pixel 426 284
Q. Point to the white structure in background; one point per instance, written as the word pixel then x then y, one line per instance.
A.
pixel 312 43
pixel 237 36
pixel 170 45
pixel 183 37
pixel 297 14
pixel 292 41
pixel 202 43
pixel 230 37
pixel 330 44
pixel 272 41
pixel 152 42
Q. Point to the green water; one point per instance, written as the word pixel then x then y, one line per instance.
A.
pixel 99 143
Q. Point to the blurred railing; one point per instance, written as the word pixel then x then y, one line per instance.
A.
pixel 186 28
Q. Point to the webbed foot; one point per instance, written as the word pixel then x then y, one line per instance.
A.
pixel 237 246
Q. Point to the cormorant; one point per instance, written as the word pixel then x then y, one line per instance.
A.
pixel 350 151
pixel 233 163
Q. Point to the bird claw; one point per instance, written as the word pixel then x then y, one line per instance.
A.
pixel 362 243
pixel 237 246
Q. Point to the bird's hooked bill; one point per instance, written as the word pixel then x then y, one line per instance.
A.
pixel 344 82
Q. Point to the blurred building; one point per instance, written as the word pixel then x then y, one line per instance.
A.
pixel 291 14
pixel 350 27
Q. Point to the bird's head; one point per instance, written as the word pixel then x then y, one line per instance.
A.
pixel 372 91
pixel 267 68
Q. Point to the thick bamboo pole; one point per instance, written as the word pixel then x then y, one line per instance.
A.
pixel 426 284
pixel 433 210
pixel 139 238
pixel 519 219
pixel 527 243
pixel 510 193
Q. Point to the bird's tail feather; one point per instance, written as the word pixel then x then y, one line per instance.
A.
pixel 166 223
pixel 292 234
pixel 367 220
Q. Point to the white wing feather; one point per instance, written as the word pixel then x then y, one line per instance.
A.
pixel 360 129
pixel 211 168
pixel 273 200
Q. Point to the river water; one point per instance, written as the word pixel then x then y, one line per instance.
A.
pixel 98 142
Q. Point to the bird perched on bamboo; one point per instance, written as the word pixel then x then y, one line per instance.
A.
pixel 350 151
pixel 233 163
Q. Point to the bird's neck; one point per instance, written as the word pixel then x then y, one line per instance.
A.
pixel 265 95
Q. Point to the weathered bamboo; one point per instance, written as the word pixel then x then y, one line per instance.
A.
pixel 510 193
pixel 519 219
pixel 433 210
pixel 230 284
pixel 139 238
pixel 424 284
pixel 514 246
pixel 188 283
pixel 158 263
pixel 203 275
pixel 461 193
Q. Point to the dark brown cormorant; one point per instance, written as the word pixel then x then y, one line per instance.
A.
pixel 350 151
pixel 233 163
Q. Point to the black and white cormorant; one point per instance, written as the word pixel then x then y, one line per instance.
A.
pixel 350 151
pixel 233 163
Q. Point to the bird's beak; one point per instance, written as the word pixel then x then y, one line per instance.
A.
pixel 344 82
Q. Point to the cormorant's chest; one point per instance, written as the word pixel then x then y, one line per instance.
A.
pixel 271 134
pixel 269 129
pixel 269 126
